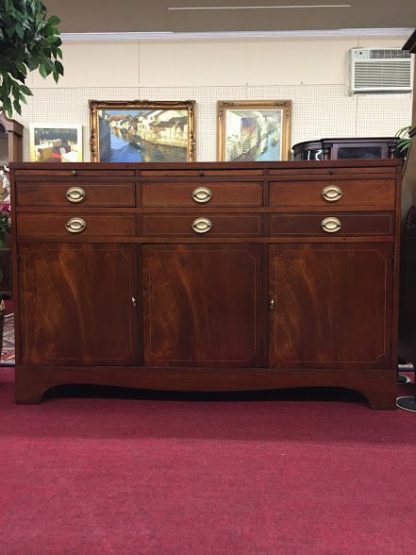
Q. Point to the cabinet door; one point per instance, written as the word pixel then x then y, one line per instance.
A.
pixel 75 304
pixel 331 306
pixel 202 305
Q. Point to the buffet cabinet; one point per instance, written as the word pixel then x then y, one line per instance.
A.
pixel 207 276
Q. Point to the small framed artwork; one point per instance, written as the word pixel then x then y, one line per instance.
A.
pixel 55 143
pixel 142 131
pixel 253 130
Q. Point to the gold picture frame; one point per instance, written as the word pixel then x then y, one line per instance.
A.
pixel 253 130
pixel 142 131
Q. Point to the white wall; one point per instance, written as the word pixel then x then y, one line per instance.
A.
pixel 312 72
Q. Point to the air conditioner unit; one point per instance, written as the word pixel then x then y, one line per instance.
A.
pixel 380 70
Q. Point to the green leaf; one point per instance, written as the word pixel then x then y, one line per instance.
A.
pixel 20 32
pixel 54 20
pixel 17 107
pixel 25 90
pixel 59 68
pixel 403 132
pixel 6 85
pixel 43 70
pixel 7 106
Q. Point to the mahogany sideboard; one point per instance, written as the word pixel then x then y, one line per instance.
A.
pixel 207 276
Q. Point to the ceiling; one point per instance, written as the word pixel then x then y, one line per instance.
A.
pixel 219 16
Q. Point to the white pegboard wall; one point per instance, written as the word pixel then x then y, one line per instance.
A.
pixel 379 114
pixel 318 111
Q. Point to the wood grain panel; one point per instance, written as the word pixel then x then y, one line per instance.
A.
pixel 333 306
pixel 202 305
pixel 75 304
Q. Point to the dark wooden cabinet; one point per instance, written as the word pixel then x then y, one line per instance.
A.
pixel 208 276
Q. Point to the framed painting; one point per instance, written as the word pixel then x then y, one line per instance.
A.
pixel 55 143
pixel 253 130
pixel 142 131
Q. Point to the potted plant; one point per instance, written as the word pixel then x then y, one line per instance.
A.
pixel 29 40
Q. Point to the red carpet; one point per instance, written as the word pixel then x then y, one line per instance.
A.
pixel 104 471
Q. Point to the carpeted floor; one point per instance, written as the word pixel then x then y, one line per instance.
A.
pixel 108 471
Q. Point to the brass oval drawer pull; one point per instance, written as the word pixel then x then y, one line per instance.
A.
pixel 331 225
pixel 75 194
pixel 202 194
pixel 75 225
pixel 332 193
pixel 201 225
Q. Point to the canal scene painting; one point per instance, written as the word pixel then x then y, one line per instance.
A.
pixel 253 130
pixel 142 131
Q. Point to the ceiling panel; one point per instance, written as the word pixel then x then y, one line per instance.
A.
pixel 95 16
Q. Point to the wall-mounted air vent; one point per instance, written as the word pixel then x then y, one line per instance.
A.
pixel 380 70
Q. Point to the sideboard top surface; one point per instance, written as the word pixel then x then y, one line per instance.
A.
pixel 301 164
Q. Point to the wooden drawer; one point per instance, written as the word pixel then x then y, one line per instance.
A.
pixel 332 225
pixel 157 194
pixel 334 194
pixel 29 225
pixel 81 193
pixel 197 225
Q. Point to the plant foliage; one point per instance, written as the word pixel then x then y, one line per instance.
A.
pixel 404 142
pixel 29 40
